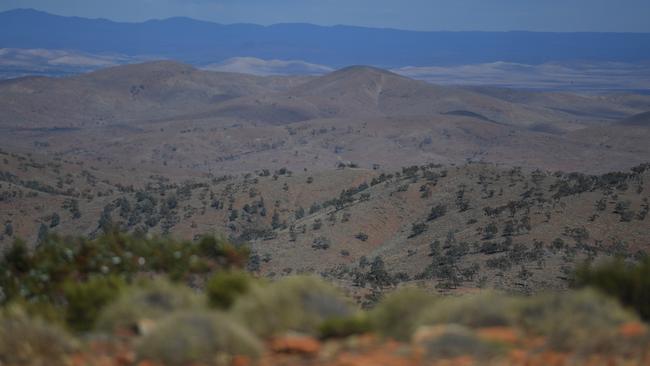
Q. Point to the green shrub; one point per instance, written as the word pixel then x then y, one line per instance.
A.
pixel 29 341
pixel 294 303
pixel 345 327
pixel 575 320
pixel 86 300
pixel 630 284
pixel 485 309
pixel 223 288
pixel 398 314
pixel 221 249
pixel 197 337
pixel 39 275
pixel 149 301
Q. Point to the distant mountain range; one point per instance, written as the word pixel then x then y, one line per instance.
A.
pixel 202 43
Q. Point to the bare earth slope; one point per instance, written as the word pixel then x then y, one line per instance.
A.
pixel 122 94
pixel 164 116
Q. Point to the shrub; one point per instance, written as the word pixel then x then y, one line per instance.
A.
pixel 299 303
pixel 17 257
pixel 398 314
pixel 27 341
pixel 576 320
pixel 362 236
pixel 377 276
pixel 321 243
pixel 437 212
pixel 452 341
pixel 85 300
pixel 39 275
pixel 630 284
pixel 223 288
pixel 345 327
pixel 221 249
pixel 417 229
pixel 148 301
pixel 197 337
pixel 9 229
pixel 486 309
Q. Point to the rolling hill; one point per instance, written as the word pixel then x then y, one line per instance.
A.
pixel 174 118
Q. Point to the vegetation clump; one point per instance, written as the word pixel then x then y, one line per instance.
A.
pixel 398 315
pixel 452 341
pixel 73 279
pixel 191 337
pixel 346 326
pixel 26 340
pixel 86 300
pixel 150 301
pixel 223 288
pixel 485 309
pixel 175 324
pixel 299 303
pixel 629 283
pixel 585 320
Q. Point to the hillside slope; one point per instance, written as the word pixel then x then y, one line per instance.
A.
pixel 453 227
pixel 170 118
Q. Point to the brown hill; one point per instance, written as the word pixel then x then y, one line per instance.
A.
pixel 166 89
pixel 168 118
pixel 123 94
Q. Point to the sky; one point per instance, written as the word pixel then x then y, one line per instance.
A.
pixel 452 15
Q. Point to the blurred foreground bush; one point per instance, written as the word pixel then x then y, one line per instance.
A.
pixel 147 302
pixel 585 320
pixel 573 320
pixel 223 288
pixel 298 303
pixel 345 327
pixel 87 299
pixel 126 285
pixel 398 315
pixel 29 341
pixel 197 337
pixel 74 278
pixel 629 283
pixel 485 309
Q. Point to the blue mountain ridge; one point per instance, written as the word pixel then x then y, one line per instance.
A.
pixel 200 42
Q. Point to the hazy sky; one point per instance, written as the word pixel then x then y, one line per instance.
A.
pixel 536 15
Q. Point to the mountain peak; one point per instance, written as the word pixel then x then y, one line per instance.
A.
pixel 362 69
